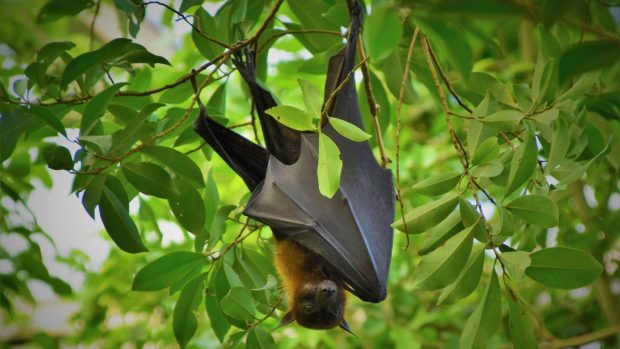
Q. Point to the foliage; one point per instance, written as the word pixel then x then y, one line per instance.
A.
pixel 500 118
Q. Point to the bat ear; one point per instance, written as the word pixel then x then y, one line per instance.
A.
pixel 286 319
pixel 345 326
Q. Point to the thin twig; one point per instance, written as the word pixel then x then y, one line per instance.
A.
pixel 582 339
pixel 92 24
pixel 184 18
pixel 332 96
pixel 372 104
pixel 403 83
pixel 447 83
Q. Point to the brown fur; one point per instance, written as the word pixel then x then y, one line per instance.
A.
pixel 305 275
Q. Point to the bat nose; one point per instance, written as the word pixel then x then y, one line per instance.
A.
pixel 328 290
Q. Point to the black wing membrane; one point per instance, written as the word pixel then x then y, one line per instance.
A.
pixel 247 159
pixel 282 142
pixel 352 229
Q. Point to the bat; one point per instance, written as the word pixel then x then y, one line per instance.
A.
pixel 324 246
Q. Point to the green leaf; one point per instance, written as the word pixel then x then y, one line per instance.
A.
pixel 516 262
pixel 165 270
pixel 504 120
pixel 441 267
pixel 424 217
pixel 329 167
pixel 150 179
pixel 471 217
pixel 312 98
pixel 488 170
pixel 437 184
pixel 449 41
pixel 586 56
pixel 348 130
pixel 92 193
pixel 544 81
pixel 563 267
pixel 13 123
pixel 238 304
pixel 47 116
pixel 441 232
pixel 477 132
pixel 118 224
pixel 259 339
pixel 96 107
pixel 217 319
pixel 177 162
pixel 186 4
pixel 487 150
pixel 393 68
pixel 84 62
pixel 184 321
pixel 520 323
pixel 57 157
pixel 310 15
pixel 522 165
pixel 177 94
pixel 468 280
pixel 292 117
pixel 382 31
pixel 188 208
pixel 56 9
pixel 211 199
pixel 483 323
pixel 207 26
pixel 535 209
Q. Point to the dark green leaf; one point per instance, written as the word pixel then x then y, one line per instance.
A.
pixel 47 116
pixel 468 280
pixel 150 179
pixel 119 225
pixel 520 322
pixel 188 208
pixel 238 304
pixel 186 4
pixel 184 321
pixel 382 32
pixel 522 165
pixel 165 270
pixel 56 9
pixel 12 125
pixel 84 62
pixel 563 267
pixel 437 184
pixel 96 107
pixel 57 157
pixel 177 162
pixel 483 323
pixel 437 235
pixel 219 322
pixel 424 217
pixel 586 56
pixel 259 339
pixel 441 267
pixel 535 209
pixel 92 194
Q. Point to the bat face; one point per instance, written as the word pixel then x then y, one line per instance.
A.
pixel 320 305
